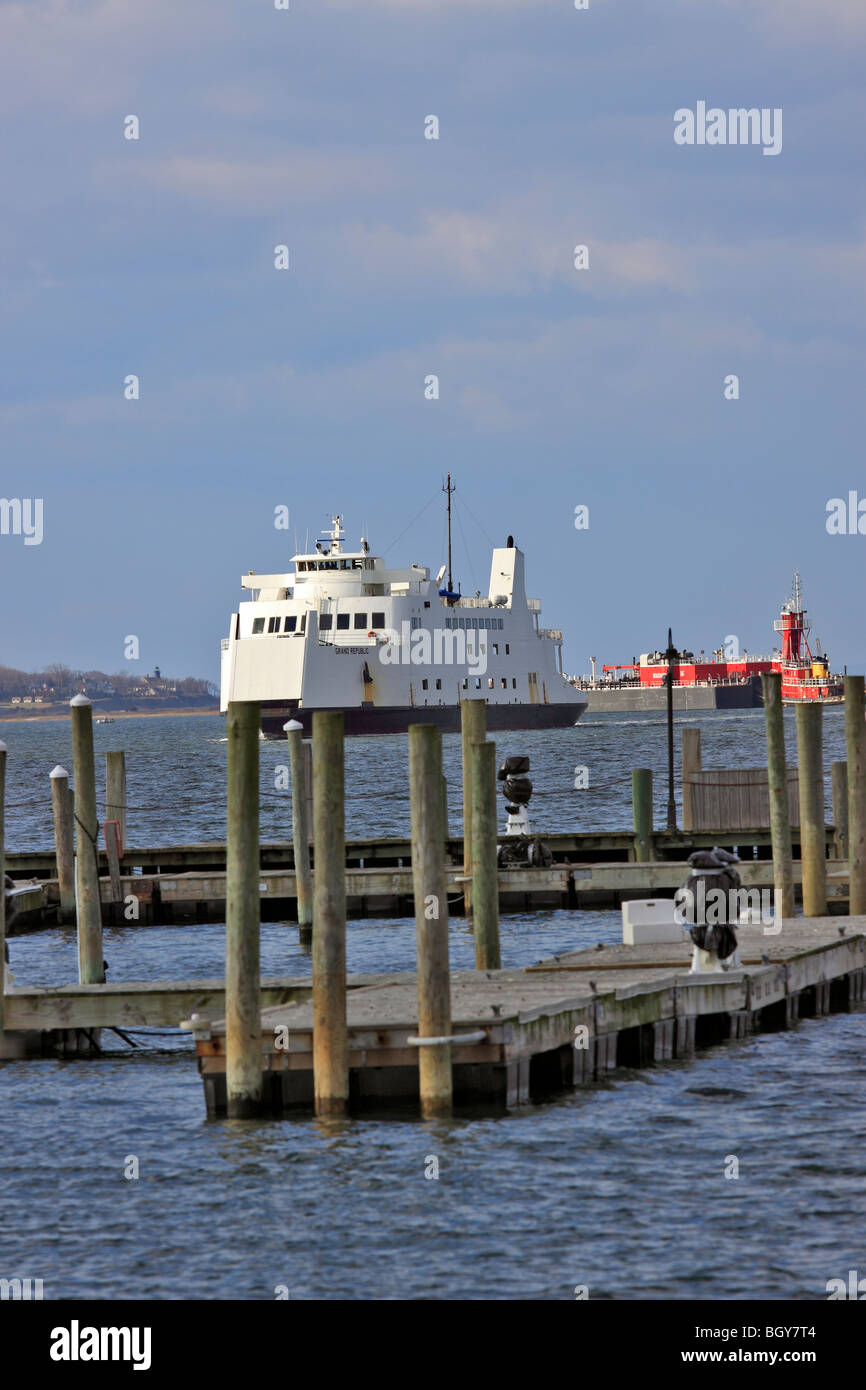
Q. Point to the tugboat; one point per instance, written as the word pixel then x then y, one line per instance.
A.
pixel 804 676
pixel 393 647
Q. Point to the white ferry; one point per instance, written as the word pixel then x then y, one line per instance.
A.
pixel 390 647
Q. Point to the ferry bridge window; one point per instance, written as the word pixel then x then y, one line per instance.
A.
pixel 462 622
pixel 507 649
pixel 490 683
pixel 360 620
pixel 513 683
pixel 465 683
pixel 303 622
pixel 477 682
pixel 377 620
pixel 324 622
pixel 438 685
pixel 291 623
pixel 273 624
pixel 499 620
pixel 302 566
pixel 342 622
pixel 503 682
pixel 495 648
pixel 258 625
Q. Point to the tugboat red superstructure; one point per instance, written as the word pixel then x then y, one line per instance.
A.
pixel 804 676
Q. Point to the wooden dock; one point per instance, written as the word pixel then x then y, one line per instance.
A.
pixel 386 890
pixel 562 1023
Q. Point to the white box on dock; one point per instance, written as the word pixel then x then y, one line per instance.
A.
pixel 647 920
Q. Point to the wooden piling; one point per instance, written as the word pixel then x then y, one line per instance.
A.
pixel 115 792
pixel 294 731
pixel 813 848
pixel 243 985
pixel 777 780
pixel 330 1050
pixel 473 729
pixel 62 813
pixel 308 786
pixel 88 906
pixel 431 917
pixel 691 763
pixel 485 871
pixel 2 887
pixel 642 809
pixel 839 782
pixel 855 740
pixel 445 806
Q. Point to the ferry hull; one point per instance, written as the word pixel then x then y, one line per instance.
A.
pixel 396 719
pixel 647 699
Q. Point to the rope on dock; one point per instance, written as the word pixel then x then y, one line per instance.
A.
pixel 465 1038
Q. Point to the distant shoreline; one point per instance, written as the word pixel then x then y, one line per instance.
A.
pixel 10 717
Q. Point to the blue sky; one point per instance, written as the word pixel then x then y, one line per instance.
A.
pixel 409 257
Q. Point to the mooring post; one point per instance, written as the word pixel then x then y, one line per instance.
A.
pixel 855 740
pixel 691 763
pixel 642 808
pixel 813 837
pixel 485 869
pixel 777 783
pixel 473 729
pixel 243 985
pixel 61 810
pixel 115 792
pixel 294 731
pixel 330 1043
pixel 431 918
pixel 308 787
pixel 2 887
pixel 839 782
pixel 88 905
pixel 445 806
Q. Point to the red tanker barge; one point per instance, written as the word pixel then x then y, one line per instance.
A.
pixel 725 680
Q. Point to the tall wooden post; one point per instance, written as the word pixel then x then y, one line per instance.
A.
pixel 294 731
pixel 839 781
pixel 642 809
pixel 61 810
pixel 485 870
pixel 813 838
pixel 115 792
pixel 777 779
pixel 2 888
pixel 243 985
pixel 308 787
pixel 691 763
pixel 855 739
pixel 431 917
pixel 87 900
pixel 445 806
pixel 473 728
pixel 330 1043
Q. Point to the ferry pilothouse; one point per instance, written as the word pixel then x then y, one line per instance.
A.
pixel 390 647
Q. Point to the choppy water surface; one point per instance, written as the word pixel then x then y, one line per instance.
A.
pixel 620 1187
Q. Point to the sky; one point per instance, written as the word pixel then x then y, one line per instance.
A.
pixel 409 257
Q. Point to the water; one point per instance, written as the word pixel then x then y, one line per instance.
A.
pixel 620 1187
pixel 176 772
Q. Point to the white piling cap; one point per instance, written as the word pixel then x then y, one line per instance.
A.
pixel 58 771
pixel 80 700
pixel 3 748
pixel 292 724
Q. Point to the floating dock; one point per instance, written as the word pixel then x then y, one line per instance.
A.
pixel 187 883
pixel 560 1024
